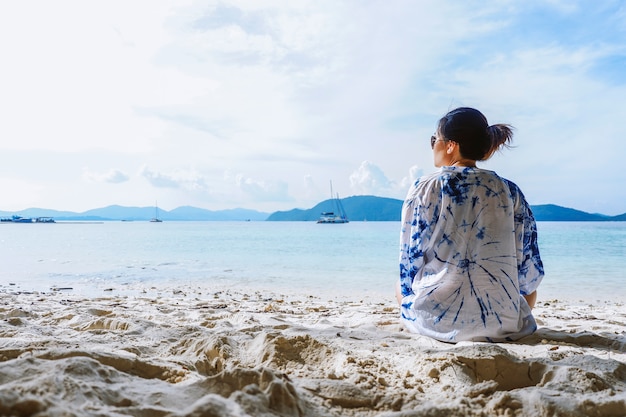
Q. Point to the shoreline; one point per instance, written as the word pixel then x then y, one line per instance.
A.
pixel 230 352
pixel 96 289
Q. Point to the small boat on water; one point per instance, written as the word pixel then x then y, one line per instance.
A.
pixel 44 220
pixel 338 215
pixel 20 219
pixel 156 219
pixel 331 217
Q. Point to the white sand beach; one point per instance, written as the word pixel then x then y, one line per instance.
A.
pixel 194 352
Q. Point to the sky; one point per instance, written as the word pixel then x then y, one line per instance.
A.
pixel 261 104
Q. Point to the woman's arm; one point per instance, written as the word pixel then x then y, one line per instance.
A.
pixel 531 298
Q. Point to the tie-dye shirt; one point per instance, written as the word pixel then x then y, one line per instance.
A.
pixel 468 252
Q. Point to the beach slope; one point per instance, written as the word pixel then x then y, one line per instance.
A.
pixel 191 352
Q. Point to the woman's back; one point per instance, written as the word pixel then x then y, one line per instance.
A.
pixel 465 248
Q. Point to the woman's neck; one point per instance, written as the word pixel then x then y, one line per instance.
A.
pixel 467 163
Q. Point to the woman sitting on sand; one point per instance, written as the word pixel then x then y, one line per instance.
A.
pixel 469 260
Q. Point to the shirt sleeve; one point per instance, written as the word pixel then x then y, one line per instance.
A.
pixel 408 265
pixel 414 235
pixel 529 264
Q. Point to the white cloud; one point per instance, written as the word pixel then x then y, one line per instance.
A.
pixel 263 190
pixel 369 179
pixel 415 172
pixel 311 191
pixel 179 179
pixel 113 176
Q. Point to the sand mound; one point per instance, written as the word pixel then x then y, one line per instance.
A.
pixel 231 354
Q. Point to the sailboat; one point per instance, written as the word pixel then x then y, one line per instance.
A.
pixel 156 219
pixel 330 217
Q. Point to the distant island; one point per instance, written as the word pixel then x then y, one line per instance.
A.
pixel 358 208
pixel 121 213
pixel 371 208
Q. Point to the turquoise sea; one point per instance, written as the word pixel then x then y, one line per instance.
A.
pixel 584 261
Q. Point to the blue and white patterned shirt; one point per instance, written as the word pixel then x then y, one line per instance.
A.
pixel 468 252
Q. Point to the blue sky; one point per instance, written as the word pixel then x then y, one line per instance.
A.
pixel 260 104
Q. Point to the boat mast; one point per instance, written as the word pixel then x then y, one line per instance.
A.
pixel 338 207
pixel 333 200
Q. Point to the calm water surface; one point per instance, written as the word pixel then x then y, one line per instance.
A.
pixel 583 261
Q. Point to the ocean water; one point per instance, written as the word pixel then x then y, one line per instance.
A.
pixel 583 261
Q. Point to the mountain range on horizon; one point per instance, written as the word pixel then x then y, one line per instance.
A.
pixel 370 208
pixel 123 213
pixel 358 208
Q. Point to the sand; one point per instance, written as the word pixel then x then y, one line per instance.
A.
pixel 195 352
